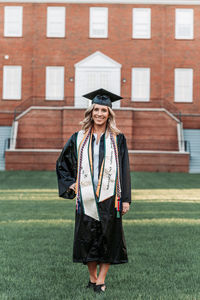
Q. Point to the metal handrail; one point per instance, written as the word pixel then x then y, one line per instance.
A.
pixel 6 145
pixel 41 101
pixel 187 146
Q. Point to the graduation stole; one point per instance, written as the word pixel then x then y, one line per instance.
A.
pixel 109 181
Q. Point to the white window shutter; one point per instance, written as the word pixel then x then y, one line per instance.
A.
pixel 12 76
pixel 142 23
pixel 183 85
pixel 99 22
pixel 56 21
pixel 140 84
pixel 13 21
pixel 184 24
pixel 54 83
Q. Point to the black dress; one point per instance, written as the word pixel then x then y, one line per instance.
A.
pixel 101 241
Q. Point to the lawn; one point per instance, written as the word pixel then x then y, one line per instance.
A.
pixel 162 233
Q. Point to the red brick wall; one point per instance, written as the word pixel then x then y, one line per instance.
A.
pixel 157 162
pixel 40 129
pixel 50 129
pixel 162 53
pixel 31 160
pixel 154 130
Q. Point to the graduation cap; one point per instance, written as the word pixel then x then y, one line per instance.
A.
pixel 102 97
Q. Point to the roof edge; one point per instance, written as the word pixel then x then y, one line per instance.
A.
pixel 146 2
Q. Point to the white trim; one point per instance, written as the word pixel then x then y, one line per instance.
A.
pixel 156 152
pixel 81 108
pixel 83 63
pixel 46 107
pixel 165 2
pixel 34 150
pixel 14 135
pixel 130 151
pixel 180 137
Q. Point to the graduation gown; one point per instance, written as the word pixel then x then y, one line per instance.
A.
pixel 101 241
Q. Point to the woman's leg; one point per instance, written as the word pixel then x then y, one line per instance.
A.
pixel 103 269
pixel 92 267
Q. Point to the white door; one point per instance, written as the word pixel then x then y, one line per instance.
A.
pixel 92 79
pixel 94 72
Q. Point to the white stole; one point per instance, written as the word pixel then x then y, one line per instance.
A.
pixel 107 182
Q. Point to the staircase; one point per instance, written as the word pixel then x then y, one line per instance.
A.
pixel 5 132
pixel 192 136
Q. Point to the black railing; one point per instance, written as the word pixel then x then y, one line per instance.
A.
pixel 6 145
pixel 49 143
pixel 187 146
pixel 69 101
pixel 40 101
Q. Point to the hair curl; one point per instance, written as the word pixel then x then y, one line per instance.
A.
pixel 88 122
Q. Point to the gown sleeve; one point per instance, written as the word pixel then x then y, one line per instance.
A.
pixel 66 168
pixel 125 178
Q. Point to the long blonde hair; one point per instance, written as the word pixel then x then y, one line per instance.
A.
pixel 88 122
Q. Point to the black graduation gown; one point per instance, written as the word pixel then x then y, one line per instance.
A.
pixel 101 241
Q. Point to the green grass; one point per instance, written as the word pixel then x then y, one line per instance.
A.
pixel 162 233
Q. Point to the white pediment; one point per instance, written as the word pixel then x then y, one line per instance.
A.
pixel 97 60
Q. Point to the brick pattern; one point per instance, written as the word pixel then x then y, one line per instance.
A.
pixel 31 160
pixel 162 53
pixel 154 130
pixel 138 161
pixel 159 162
pixel 50 129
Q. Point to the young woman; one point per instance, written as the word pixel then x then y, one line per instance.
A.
pixel 94 166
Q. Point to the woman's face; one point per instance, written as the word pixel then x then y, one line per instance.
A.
pixel 100 114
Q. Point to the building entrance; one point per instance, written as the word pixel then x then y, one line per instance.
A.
pixel 94 72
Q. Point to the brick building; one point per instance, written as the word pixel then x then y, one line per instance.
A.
pixel 52 52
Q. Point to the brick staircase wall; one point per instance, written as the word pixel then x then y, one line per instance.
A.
pixel 154 130
pixel 49 129
pixel 40 129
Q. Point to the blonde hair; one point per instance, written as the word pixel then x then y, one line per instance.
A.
pixel 88 122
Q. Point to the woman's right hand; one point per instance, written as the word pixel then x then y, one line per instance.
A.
pixel 73 186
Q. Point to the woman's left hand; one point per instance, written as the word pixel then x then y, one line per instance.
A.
pixel 125 207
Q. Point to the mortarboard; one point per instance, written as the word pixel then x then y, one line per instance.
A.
pixel 102 97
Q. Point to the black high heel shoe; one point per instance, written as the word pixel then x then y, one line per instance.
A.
pixel 98 288
pixel 91 285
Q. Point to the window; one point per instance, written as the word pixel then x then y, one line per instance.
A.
pixel 141 23
pixel 54 83
pixel 184 24
pixel 13 16
pixel 12 76
pixel 183 85
pixel 140 84
pixel 56 21
pixel 98 22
